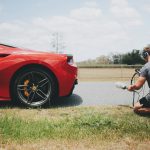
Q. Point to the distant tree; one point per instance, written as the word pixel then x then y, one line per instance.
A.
pixel 103 60
pixel 57 42
pixel 132 58
pixel 116 58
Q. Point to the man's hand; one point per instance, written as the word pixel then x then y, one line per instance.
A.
pixel 139 83
pixel 131 87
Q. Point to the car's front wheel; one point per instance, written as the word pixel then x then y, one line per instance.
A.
pixel 33 87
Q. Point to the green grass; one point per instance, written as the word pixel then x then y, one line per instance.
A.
pixel 84 124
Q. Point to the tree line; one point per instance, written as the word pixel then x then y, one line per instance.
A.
pixel 130 58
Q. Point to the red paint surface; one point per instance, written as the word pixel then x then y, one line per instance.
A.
pixel 13 59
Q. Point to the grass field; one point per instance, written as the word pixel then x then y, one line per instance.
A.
pixel 105 74
pixel 73 128
pixel 102 127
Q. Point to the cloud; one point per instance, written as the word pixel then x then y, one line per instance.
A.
pixel 87 31
pixel 126 14
pixel 146 8
pixel 86 13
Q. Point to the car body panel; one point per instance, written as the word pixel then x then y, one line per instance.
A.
pixel 12 59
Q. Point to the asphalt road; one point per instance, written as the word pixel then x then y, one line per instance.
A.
pixel 102 93
pixel 93 94
pixel 98 93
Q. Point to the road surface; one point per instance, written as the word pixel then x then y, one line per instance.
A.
pixel 98 93
pixel 94 93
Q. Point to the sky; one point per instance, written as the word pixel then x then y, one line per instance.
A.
pixel 85 28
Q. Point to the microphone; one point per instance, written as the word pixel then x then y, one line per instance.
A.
pixel 121 85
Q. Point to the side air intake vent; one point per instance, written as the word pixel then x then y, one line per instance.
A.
pixel 4 55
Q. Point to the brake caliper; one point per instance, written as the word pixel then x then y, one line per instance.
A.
pixel 26 93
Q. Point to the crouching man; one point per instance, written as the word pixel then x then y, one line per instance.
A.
pixel 143 105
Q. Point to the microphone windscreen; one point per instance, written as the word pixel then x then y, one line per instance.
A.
pixel 121 85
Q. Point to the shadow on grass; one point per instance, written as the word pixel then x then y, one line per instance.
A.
pixel 73 100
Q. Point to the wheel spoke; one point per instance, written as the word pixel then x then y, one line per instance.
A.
pixel 31 97
pixel 21 87
pixel 43 82
pixel 41 94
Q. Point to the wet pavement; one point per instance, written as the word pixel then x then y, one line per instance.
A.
pixel 99 93
pixel 106 93
pixel 94 93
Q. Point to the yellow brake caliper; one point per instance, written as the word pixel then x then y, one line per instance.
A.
pixel 26 82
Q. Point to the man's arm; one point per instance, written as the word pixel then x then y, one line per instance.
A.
pixel 138 84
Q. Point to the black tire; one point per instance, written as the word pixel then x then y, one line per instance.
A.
pixel 33 87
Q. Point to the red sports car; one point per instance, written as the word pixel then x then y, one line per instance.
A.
pixel 34 78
